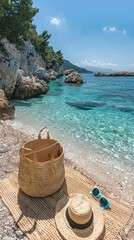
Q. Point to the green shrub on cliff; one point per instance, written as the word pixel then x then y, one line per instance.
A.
pixel 59 57
pixel 16 17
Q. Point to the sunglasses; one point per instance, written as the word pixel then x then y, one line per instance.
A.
pixel 103 202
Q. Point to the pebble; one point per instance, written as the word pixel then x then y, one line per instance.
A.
pixel 4 148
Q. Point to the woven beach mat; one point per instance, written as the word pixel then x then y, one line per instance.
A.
pixel 36 216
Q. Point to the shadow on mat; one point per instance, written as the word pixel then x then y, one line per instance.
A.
pixel 39 208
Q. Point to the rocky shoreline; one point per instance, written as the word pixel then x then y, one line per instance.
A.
pixel 23 71
pixel 115 74
pixel 24 75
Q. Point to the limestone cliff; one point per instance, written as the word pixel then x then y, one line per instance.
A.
pixel 16 64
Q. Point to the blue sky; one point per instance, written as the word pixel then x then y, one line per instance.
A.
pixel 90 33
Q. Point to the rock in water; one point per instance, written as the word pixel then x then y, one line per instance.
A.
pixel 74 77
pixel 29 87
pixel 86 105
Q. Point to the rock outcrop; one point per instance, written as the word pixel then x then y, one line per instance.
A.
pixel 59 69
pixel 52 74
pixel 13 61
pixel 30 60
pixel 68 71
pixel 115 74
pixel 40 73
pixel 28 87
pixel 6 109
pixel 17 63
pixel 74 77
pixel 9 65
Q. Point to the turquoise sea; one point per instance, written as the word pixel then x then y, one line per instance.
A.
pixel 96 117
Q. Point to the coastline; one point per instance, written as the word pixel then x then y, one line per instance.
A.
pixel 116 181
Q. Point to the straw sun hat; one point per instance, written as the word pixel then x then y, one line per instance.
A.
pixel 79 218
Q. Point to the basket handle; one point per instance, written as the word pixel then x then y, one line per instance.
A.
pixel 47 132
pixel 28 149
pixel 23 148
pixel 31 151
pixel 36 151
pixel 54 152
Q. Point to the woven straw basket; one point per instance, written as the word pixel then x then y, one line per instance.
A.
pixel 41 168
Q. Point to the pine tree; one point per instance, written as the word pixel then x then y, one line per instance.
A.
pixel 16 17
pixel 59 57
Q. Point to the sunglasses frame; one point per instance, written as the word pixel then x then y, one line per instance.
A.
pixel 99 195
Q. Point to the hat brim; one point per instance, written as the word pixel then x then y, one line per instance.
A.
pixel 93 232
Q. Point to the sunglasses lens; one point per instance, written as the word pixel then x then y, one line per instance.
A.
pixel 95 192
pixel 103 202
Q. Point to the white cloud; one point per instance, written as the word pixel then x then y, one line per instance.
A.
pixel 113 29
pixel 95 63
pixel 132 64
pixel 124 32
pixel 109 29
pixel 55 21
pixel 105 29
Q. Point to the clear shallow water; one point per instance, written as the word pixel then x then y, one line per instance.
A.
pixel 97 115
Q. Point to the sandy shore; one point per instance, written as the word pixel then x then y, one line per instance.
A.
pixel 118 184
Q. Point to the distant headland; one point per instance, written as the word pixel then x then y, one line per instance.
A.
pixel 68 65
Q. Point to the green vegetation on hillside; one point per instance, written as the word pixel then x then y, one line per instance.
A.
pixel 16 17
pixel 68 65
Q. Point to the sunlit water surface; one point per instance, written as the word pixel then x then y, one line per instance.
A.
pixel 93 121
